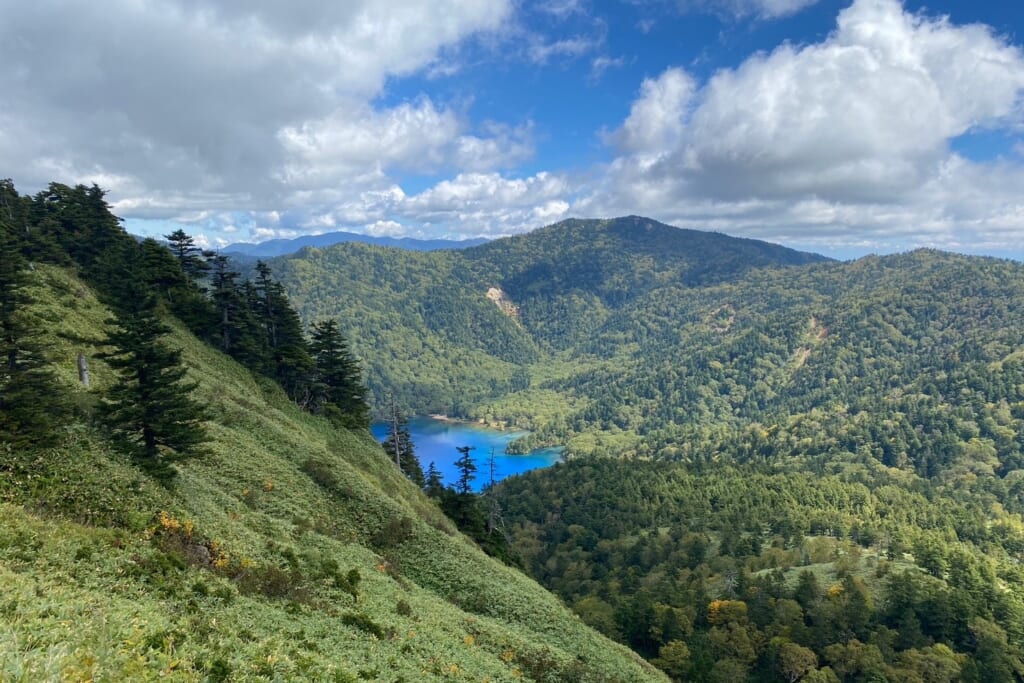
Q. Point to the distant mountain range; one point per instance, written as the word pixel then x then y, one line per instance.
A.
pixel 282 247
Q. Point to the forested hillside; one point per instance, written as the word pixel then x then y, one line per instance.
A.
pixel 631 338
pixel 460 328
pixel 806 470
pixel 209 505
pixel 726 573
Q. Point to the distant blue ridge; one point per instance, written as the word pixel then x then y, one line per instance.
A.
pixel 283 247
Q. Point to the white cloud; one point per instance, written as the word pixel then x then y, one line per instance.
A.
pixel 362 143
pixel 848 136
pixel 762 9
pixel 541 52
pixel 600 64
pixel 385 229
pixel 488 204
pixel 657 118
pixel 187 103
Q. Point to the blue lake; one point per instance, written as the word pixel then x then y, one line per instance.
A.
pixel 436 440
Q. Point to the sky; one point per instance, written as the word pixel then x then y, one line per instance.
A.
pixel 837 126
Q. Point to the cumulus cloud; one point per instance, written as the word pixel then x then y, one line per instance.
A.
pixel 488 204
pixel 385 229
pixel 849 134
pixel 188 103
pixel 657 118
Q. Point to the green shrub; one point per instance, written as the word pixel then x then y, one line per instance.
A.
pixel 362 622
pixel 322 473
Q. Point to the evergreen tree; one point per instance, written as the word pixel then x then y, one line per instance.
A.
pixel 162 272
pixel 31 406
pixel 191 257
pixel 338 388
pixel 79 220
pixel 434 486
pixel 399 448
pixel 467 470
pixel 166 273
pixel 291 360
pixel 149 406
pixel 232 309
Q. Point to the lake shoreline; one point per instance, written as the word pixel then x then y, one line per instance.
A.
pixel 437 437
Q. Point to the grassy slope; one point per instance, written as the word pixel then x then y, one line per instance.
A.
pixel 242 576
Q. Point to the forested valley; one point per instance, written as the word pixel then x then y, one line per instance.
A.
pixel 779 467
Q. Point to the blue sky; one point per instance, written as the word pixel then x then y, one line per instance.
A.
pixel 844 127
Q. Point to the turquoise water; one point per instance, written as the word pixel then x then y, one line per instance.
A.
pixel 436 440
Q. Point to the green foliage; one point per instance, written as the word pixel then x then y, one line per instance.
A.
pixel 249 571
pixel 337 387
pixel 31 406
pixel 774 572
pixel 150 407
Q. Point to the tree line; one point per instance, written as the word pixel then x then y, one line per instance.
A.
pixel 149 409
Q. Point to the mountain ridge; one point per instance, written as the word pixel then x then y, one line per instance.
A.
pixel 284 246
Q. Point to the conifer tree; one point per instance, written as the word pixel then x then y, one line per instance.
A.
pixel 31 406
pixel 191 257
pixel 434 486
pixel 150 407
pixel 338 387
pixel 228 304
pixel 291 360
pixel 79 220
pixel 467 470
pixel 183 297
pixel 403 451
pixel 162 272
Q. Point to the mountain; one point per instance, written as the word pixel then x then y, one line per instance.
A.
pixel 779 467
pixel 633 338
pixel 281 247
pixel 460 327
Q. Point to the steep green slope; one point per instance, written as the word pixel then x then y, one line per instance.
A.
pixel 293 551
pixel 423 327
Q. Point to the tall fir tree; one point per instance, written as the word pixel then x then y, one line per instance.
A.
pixel 338 387
pixel 434 486
pixel 150 407
pixel 177 289
pixel 291 360
pixel 79 220
pixel 192 258
pixel 399 447
pixel 31 405
pixel 228 304
pixel 467 470
pixel 162 271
